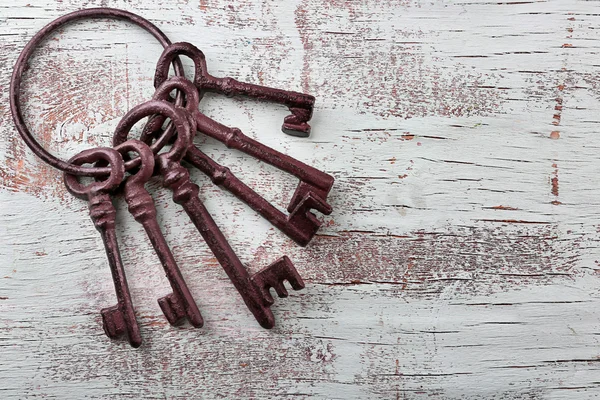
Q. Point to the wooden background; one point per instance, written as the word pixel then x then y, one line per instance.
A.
pixel 462 257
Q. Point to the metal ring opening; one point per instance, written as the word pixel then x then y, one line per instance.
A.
pixel 15 84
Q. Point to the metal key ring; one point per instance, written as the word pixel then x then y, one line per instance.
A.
pixel 15 84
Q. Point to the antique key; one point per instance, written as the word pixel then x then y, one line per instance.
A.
pixel 301 225
pixel 253 289
pixel 300 105
pixel 180 303
pixel 119 319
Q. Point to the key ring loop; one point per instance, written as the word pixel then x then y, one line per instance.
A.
pixel 15 84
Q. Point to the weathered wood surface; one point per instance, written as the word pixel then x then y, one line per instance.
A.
pixel 461 260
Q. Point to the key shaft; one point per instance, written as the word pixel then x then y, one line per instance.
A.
pixel 185 193
pixel 312 181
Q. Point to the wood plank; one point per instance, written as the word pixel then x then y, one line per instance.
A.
pixel 461 260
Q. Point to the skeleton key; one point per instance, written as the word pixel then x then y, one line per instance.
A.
pixel 180 303
pixel 313 182
pixel 119 319
pixel 300 105
pixel 301 225
pixel 253 289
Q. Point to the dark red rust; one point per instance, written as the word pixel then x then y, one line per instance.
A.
pixel 179 304
pixel 300 105
pixel 301 225
pixel 177 179
pixel 119 319
pixel 15 84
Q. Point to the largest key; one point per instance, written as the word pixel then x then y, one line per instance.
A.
pixel 253 289
pixel 120 319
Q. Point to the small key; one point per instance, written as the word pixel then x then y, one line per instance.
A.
pixel 179 304
pixel 185 193
pixel 300 105
pixel 120 319
pixel 301 225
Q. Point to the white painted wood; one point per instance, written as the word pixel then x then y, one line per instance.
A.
pixel 461 260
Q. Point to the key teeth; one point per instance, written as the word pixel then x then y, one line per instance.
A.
pixel 318 198
pixel 304 221
pixel 171 308
pixel 296 124
pixel 298 130
pixel 280 289
pixel 273 276
pixel 113 322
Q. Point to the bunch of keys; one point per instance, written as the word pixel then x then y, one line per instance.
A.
pixel 127 166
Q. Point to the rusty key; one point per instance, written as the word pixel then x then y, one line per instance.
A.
pixel 300 105
pixel 312 181
pixel 253 289
pixel 179 304
pixel 120 319
pixel 301 225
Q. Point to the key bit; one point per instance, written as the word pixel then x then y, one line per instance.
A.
pixel 119 319
pixel 173 309
pixel 113 322
pixel 274 275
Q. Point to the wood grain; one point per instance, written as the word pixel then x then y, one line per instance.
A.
pixel 462 257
